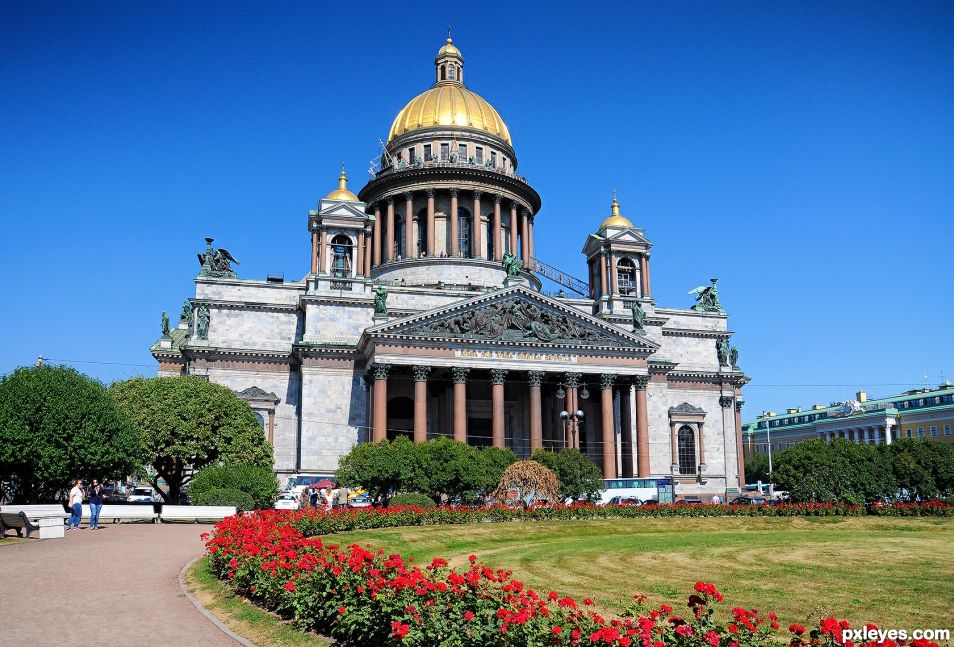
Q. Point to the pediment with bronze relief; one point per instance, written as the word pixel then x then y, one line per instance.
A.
pixel 515 315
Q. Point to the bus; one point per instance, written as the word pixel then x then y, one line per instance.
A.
pixel 298 483
pixel 645 489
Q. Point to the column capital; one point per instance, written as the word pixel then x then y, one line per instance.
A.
pixel 738 404
pixel 454 191
pixel 477 194
pixel 408 195
pixel 421 373
pixel 498 375
pixel 430 192
pixel 460 374
pixel 390 200
pixel 526 213
pixel 514 206
pixel 379 371
pixel 725 401
pixel 497 198
pixel 535 377
pixel 367 231
pixel 573 379
pixel 606 380
pixel 641 382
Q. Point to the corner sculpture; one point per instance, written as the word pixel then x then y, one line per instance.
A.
pixel 380 301
pixel 639 317
pixel 216 263
pixel 202 317
pixel 186 313
pixel 734 357
pixel 165 324
pixel 512 264
pixel 707 298
pixel 722 349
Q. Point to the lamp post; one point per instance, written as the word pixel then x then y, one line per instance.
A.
pixel 573 419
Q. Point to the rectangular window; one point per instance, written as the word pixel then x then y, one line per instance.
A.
pixel 479 154
pixel 445 152
pixel 412 155
pixel 427 152
pixel 920 432
pixel 947 430
pixel 462 152
pixel 493 158
pixel 908 433
pixel 933 432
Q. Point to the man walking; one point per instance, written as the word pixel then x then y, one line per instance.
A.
pixel 341 497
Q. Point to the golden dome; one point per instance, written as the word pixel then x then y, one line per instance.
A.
pixel 342 192
pixel 449 49
pixel 449 105
pixel 616 219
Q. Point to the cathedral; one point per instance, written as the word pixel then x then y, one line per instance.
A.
pixel 421 313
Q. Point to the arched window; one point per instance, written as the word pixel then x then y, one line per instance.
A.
pixel 463 232
pixel 341 250
pixel 444 72
pixel 626 276
pixel 687 450
pixel 452 71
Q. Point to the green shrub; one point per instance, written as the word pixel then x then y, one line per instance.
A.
pixel 225 496
pixel 412 498
pixel 259 483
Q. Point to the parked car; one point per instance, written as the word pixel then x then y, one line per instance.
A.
pixel 651 502
pixel 360 501
pixel 690 500
pixel 287 502
pixel 142 495
pixel 624 500
pixel 749 500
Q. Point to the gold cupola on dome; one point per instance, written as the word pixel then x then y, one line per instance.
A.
pixel 616 219
pixel 342 192
pixel 449 103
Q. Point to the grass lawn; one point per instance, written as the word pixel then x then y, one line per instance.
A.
pixel 894 572
pixel 259 626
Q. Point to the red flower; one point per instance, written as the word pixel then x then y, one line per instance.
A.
pixel 733 629
pixel 468 615
pixel 796 629
pixel 289 586
pixel 557 630
pixel 829 626
pixel 684 630
pixel 342 610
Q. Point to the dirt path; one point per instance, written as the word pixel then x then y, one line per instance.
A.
pixel 116 586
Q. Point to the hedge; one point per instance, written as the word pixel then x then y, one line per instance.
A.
pixel 411 499
pixel 225 496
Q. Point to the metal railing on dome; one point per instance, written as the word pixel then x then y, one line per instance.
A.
pixel 401 165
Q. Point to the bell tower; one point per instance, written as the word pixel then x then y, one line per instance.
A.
pixel 450 64
pixel 617 258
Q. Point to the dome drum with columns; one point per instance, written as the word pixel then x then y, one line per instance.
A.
pixel 408 321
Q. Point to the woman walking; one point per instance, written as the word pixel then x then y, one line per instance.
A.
pixel 76 506
pixel 95 504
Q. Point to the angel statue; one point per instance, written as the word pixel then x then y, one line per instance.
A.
pixel 512 264
pixel 707 298
pixel 216 263
pixel 734 357
pixel 380 301
pixel 639 316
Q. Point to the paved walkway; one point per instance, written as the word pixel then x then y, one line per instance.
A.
pixel 115 586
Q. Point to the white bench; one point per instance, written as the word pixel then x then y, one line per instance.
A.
pixel 196 513
pixel 141 512
pixel 49 518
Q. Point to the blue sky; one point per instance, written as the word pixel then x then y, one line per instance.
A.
pixel 799 151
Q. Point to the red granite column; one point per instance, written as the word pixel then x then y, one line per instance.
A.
pixel 271 427
pixel 614 279
pixel 420 403
pixel 497 378
pixel 478 250
pixel 359 265
pixel 430 222
pixel 389 246
pixel 409 225
pixel 380 425
pixel 314 249
pixel 644 274
pixel 376 234
pixel 602 262
pixel 322 249
pixel 626 428
pixel 642 428
pixel 460 403
pixel 536 413
pixel 367 251
pixel 608 425
pixel 525 238
pixel 498 250
pixel 514 230
pixel 454 232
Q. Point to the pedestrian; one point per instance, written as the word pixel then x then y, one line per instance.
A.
pixel 95 504
pixel 341 497
pixel 313 499
pixel 76 506
pixel 716 499
pixel 328 498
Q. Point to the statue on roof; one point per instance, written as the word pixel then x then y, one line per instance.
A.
pixel 734 357
pixel 512 264
pixel 216 263
pixel 186 313
pixel 202 317
pixel 639 317
pixel 707 298
pixel 722 350
pixel 165 324
pixel 380 301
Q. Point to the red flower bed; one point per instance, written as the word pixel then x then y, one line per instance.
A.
pixel 364 597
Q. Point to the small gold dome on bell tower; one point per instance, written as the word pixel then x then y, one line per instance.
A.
pixel 342 192
pixel 616 219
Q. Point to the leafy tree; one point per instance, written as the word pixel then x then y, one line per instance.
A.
pixel 412 498
pixel 381 468
pixel 924 468
pixel 491 463
pixel 56 425
pixel 258 482
pixel 580 478
pixel 444 466
pixel 527 482
pixel 225 496
pixel 756 469
pixel 836 471
pixel 187 423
